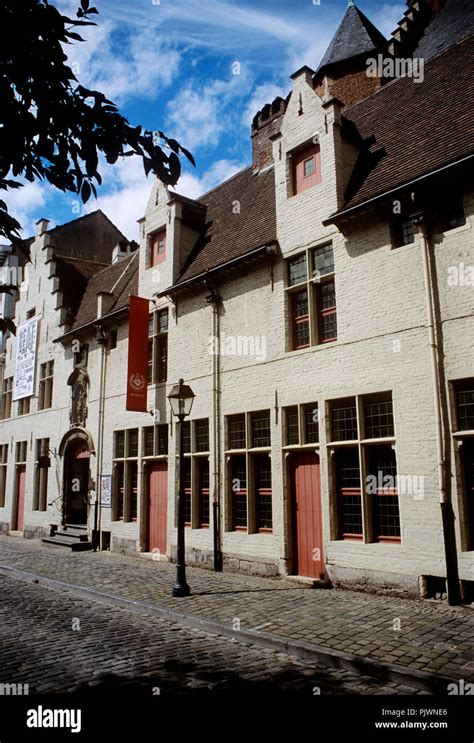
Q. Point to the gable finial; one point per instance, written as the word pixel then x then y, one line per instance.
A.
pixel 350 3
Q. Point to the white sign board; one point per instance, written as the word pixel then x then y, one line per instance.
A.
pixel 106 491
pixel 25 359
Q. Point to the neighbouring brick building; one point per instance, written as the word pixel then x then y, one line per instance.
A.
pixel 320 304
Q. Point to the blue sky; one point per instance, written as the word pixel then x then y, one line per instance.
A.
pixel 169 65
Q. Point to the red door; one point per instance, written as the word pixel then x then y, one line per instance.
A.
pixel 307 522
pixel 20 496
pixel 157 506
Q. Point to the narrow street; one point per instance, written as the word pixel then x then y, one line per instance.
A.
pixel 57 643
pixel 73 620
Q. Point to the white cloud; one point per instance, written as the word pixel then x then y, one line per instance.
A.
pixel 120 63
pixel 124 195
pixel 213 27
pixel 388 16
pixel 195 118
pixel 194 186
pixel 23 204
pixel 200 113
pixel 262 94
pixel 126 201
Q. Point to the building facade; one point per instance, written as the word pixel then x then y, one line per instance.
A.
pixel 319 303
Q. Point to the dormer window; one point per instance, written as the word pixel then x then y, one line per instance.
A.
pixel 306 168
pixel 157 248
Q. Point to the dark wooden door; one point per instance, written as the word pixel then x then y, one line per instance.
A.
pixel 157 506
pixel 20 497
pixel 307 520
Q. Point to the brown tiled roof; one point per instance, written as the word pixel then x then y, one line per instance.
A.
pixel 121 279
pixel 73 275
pixel 240 217
pixel 417 127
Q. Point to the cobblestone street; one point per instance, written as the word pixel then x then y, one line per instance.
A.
pixel 108 647
pixel 131 645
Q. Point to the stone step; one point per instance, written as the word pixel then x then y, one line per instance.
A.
pixel 71 542
pixel 68 532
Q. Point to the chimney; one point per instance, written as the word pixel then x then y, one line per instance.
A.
pixel 123 250
pixel 41 226
pixel 104 302
pixel 266 124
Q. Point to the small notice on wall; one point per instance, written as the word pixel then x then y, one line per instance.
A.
pixel 106 491
pixel 25 359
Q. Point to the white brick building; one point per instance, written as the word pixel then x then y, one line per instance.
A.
pixel 319 303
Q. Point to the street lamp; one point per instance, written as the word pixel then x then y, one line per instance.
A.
pixel 181 399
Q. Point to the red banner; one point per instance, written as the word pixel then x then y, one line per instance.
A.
pixel 137 373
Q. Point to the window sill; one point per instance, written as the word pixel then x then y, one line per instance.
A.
pixel 304 190
pixel 438 236
pixel 314 347
pixel 301 447
pixel 381 440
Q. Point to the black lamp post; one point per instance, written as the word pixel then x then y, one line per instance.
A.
pixel 181 399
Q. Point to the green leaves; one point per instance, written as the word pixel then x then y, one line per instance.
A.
pixel 51 127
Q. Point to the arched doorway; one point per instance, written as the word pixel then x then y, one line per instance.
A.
pixel 76 481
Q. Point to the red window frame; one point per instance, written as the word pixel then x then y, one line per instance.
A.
pixel 383 538
pixel 297 320
pixel 187 477
pixel 355 493
pixel 302 182
pixel 326 312
pixel 236 460
pixel 204 492
pixel 262 493
pixel 158 248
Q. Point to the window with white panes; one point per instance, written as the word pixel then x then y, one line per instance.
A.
pixel 364 468
pixel 158 347
pixel 41 475
pixel 301 425
pixel 311 298
pixel 196 475
pixel 125 475
pixel 249 472
pixel 45 391
pixel 155 441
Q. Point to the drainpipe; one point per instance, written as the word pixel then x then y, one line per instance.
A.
pixel 101 341
pixel 447 514
pixel 214 299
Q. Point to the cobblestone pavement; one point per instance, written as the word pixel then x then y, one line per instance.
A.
pixel 57 643
pixel 424 635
